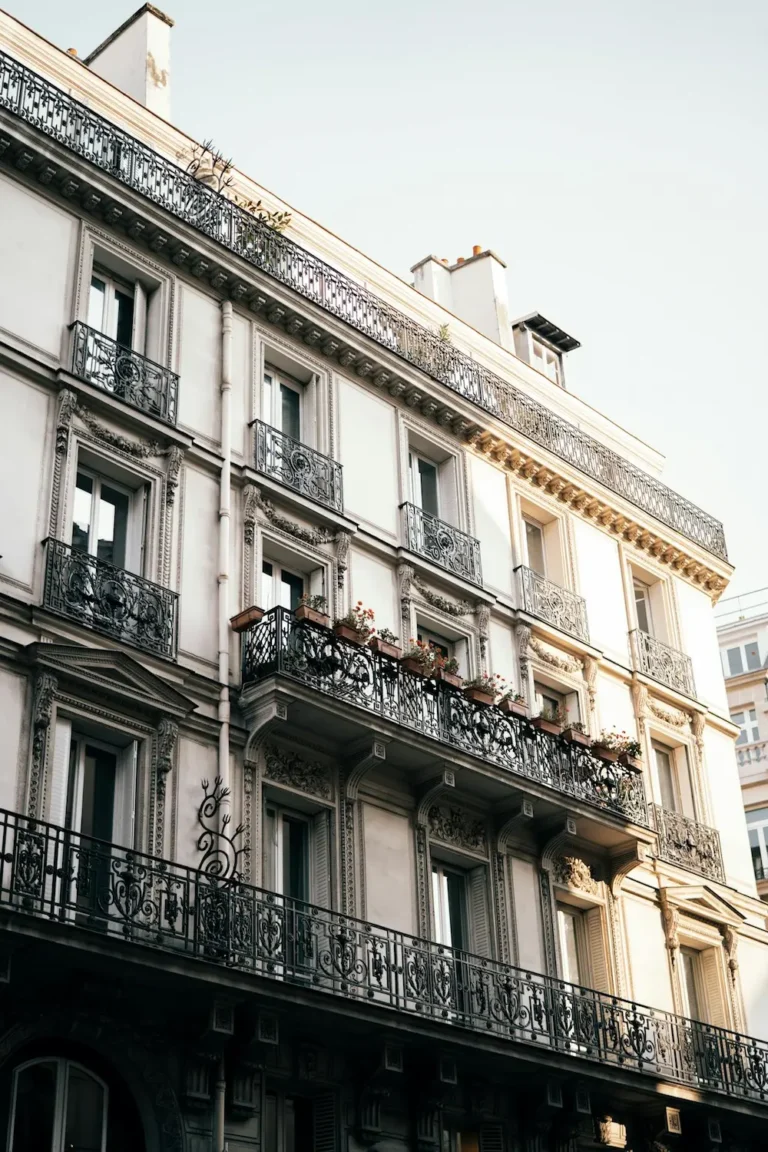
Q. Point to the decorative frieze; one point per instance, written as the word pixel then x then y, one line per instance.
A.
pixel 559 660
pixel 456 827
pixel 573 872
pixel 283 767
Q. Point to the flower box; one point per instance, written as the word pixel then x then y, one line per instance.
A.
pixel 414 666
pixel 477 696
pixel 243 620
pixel 514 708
pixel 345 632
pixel 550 726
pixel 451 678
pixel 610 755
pixel 574 736
pixel 384 648
pixel 630 762
pixel 304 612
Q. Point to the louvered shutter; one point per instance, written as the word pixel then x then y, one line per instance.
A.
pixel 491 1138
pixel 321 862
pixel 124 816
pixel 324 1123
pixel 479 918
pixel 58 773
pixel 713 988
pixel 597 947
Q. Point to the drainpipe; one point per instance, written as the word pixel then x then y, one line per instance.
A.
pixel 218 1117
pixel 224 518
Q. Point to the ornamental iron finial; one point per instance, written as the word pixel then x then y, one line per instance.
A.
pixel 221 853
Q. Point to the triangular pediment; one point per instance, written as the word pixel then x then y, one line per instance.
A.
pixel 701 900
pixel 99 672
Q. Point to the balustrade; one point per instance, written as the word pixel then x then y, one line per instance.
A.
pixel 548 601
pixel 684 841
pixel 124 373
pixel 662 663
pixel 435 540
pixel 298 467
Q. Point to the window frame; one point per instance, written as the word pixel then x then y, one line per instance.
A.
pixel 641 586
pixel 532 522
pixel 136 519
pixel 541 352
pixel 61 1099
pixel 742 648
pixel 115 284
pixel 274 417
pixel 415 492
pixel 278 568
pixel 440 870
pixel 749 723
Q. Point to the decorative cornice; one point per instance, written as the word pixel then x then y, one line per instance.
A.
pixel 141 449
pixel 453 826
pixel 672 716
pixel 256 501
pixel 556 659
pixel 450 607
pixel 573 872
pixel 284 767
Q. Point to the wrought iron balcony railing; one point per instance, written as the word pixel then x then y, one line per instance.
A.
pixel 49 109
pixel 760 870
pixel 752 753
pixel 685 842
pixel 87 885
pixel 662 663
pixel 282 645
pixel 298 467
pixel 124 373
pixel 559 607
pixel 441 543
pixel 110 600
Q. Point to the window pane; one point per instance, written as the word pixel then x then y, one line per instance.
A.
pixel 642 608
pixel 124 319
pixel 291 590
pixel 753 655
pixel 290 412
pixel 735 666
pixel 81 520
pixel 85 1112
pixel 738 718
pixel 757 816
pixel 267 414
pixel 96 303
pixel 112 526
pixel 688 973
pixel 440 906
pixel 666 780
pixel 534 544
pixel 428 485
pixel 455 888
pixel 295 869
pixel 569 945
pixel 35 1102
pixel 267 586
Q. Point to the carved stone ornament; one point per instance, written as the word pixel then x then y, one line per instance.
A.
pixel 575 873
pixel 671 918
pixel 731 944
pixel 672 716
pixel 554 659
pixel 139 449
pixel 67 409
pixel 405 578
pixel 287 768
pixel 523 637
pixel 255 501
pixel 452 826
pixel 167 735
pixel 343 541
pixel 483 618
pixel 450 607
pixel 46 687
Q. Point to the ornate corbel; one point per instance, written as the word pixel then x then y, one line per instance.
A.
pixel 349 793
pixel 523 638
pixel 67 409
pixel 404 582
pixel 46 687
pixel 166 738
pixel 175 460
pixel 590 679
pixel 671 918
pixel 640 696
pixel 250 508
pixel 483 618
pixel 343 540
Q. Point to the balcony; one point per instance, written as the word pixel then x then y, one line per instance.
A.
pixel 444 545
pixel 110 600
pixel 110 149
pixel 661 663
pixel 691 845
pixel 753 754
pixel 123 373
pixel 298 467
pixel 87 886
pixel 281 645
pixel 557 606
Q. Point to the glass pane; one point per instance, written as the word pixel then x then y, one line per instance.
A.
pixel 440 905
pixel 666 780
pixel 84 1130
pixel 124 319
pixel 753 655
pixel 96 300
pixel 428 486
pixel 267 586
pixel 569 944
pixel 735 666
pixel 757 856
pixel 642 608
pixel 290 412
pixel 34 1108
pixel 267 414
pixel 291 590
pixel 295 864
pixel 534 544
pixel 757 816
pixel 81 520
pixel 112 526
pixel 688 982
pixel 456 888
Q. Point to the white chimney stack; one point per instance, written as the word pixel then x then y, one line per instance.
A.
pixel 474 288
pixel 137 59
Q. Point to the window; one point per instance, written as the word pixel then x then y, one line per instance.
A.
pixel 551 702
pixel 423 483
pixel 294 1123
pixel 297 853
pixel 112 309
pixel 459 1140
pixel 57 1106
pixel 444 647
pixel 93 786
pixel 279 586
pixel 572 945
pixel 583 950
pixel 746 657
pixel 108 520
pixel 547 360
pixel 449 898
pixel 674 779
pixel 282 403
pixel 691 984
pixel 643 607
pixel 748 724
pixel 535 554
pixel 757 827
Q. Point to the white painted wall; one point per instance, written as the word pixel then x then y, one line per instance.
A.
pixel 753 973
pixel 615 706
pixel 242 361
pixel 199 363
pixel 373 581
pixel 138 61
pixel 647 949
pixel 502 653
pixel 198 620
pixel 727 809
pixel 13 689
pixel 524 875
pixel 196 762
pixel 600 583
pixel 699 641
pixel 368 452
pixel 25 414
pixel 491 514
pixel 389 869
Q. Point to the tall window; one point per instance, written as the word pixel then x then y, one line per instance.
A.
pixel 424 483
pixel 444 647
pixel 108 520
pixel 547 360
pixel 749 728
pixel 535 553
pixel 57 1106
pixel 583 950
pixel 297 854
pixel 572 945
pixel 449 898
pixel 282 403
pixel 279 586
pixel 674 779
pixel 744 658
pixel 111 308
pixel 93 785
pixel 643 607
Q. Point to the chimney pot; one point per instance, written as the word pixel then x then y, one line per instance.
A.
pixel 477 249
pixel 460 260
pixel 72 51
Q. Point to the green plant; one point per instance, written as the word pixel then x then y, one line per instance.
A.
pixel 443 334
pixel 360 620
pixel 447 664
pixel 511 696
pixel 620 742
pixel 316 603
pixel 485 682
pixel 576 726
pixel 388 636
pixel 554 715
pixel 423 653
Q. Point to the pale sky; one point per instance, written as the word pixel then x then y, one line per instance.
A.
pixel 613 153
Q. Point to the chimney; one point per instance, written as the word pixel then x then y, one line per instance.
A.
pixel 474 288
pixel 137 59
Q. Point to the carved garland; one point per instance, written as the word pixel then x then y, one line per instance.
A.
pixel 453 826
pixel 561 661
pixel 283 767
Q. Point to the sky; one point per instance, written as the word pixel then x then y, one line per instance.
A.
pixel 612 152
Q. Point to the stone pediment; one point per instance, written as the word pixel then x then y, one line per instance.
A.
pixel 702 901
pixel 97 673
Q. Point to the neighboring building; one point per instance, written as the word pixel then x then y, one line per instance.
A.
pixel 743 634
pixel 452 930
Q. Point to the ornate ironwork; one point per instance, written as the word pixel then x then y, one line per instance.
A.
pixel 662 663
pixel 685 842
pixel 548 601
pixel 110 600
pixel 282 645
pixel 59 116
pixel 298 467
pixel 124 373
pixel 66 878
pixel 442 543
pixel 221 854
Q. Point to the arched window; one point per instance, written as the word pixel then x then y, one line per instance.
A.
pixel 57 1106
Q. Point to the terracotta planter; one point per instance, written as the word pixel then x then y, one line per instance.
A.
pixel 630 762
pixel 344 632
pixel 243 620
pixel 477 696
pixel 573 736
pixel 514 708
pixel 610 755
pixel 384 648
pixel 550 726
pixel 451 678
pixel 413 666
pixel 304 612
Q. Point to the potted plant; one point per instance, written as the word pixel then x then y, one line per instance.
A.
pixel 314 609
pixel 607 745
pixel 513 704
pixel 242 621
pixel 385 643
pixel 419 658
pixel 576 733
pixel 482 689
pixel 631 753
pixel 357 625
pixel 447 669
pixel 550 720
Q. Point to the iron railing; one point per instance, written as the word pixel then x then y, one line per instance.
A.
pixel 110 600
pixel 449 547
pixel 760 870
pixel 88 885
pixel 49 109
pixel 282 645
pixel 662 663
pixel 298 467
pixel 684 841
pixel 124 373
pixel 752 753
pixel 548 601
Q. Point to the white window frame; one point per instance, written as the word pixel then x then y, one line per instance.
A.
pixel 280 813
pixel 277 573
pixel 440 905
pixel 641 586
pixel 114 283
pixel 537 524
pixel 760 828
pixel 272 411
pixel 136 528
pixel 749 725
pixel 414 480
pixel 741 648
pixel 582 978
pixel 547 360
pixel 699 990
pixel 63 1067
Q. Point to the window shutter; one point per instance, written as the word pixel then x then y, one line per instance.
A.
pixel 124 818
pixel 491 1138
pixel 58 773
pixel 480 924
pixel 711 969
pixel 320 886
pixel 324 1123
pixel 597 947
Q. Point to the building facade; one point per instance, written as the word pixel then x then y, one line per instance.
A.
pixel 265 884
